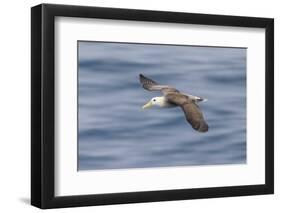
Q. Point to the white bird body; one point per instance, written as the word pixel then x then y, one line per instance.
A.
pixel 164 103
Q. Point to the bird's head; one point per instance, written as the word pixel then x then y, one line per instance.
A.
pixel 158 101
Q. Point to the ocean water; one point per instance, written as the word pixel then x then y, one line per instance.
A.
pixel 116 133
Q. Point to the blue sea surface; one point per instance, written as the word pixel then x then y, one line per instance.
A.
pixel 116 133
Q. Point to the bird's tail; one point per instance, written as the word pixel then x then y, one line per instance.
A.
pixel 197 99
pixel 202 99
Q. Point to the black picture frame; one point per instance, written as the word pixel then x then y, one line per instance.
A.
pixel 43 102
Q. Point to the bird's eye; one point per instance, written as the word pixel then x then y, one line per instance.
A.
pixel 154 100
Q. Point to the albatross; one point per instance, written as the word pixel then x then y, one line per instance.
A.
pixel 174 98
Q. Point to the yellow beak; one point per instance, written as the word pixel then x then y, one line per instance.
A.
pixel 147 105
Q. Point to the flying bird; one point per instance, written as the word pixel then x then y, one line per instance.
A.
pixel 174 98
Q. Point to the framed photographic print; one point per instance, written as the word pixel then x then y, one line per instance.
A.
pixel 140 106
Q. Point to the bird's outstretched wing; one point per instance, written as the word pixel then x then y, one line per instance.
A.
pixel 191 110
pixel 151 85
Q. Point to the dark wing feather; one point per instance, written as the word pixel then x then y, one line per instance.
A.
pixel 147 83
pixel 151 85
pixel 195 117
pixel 191 110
